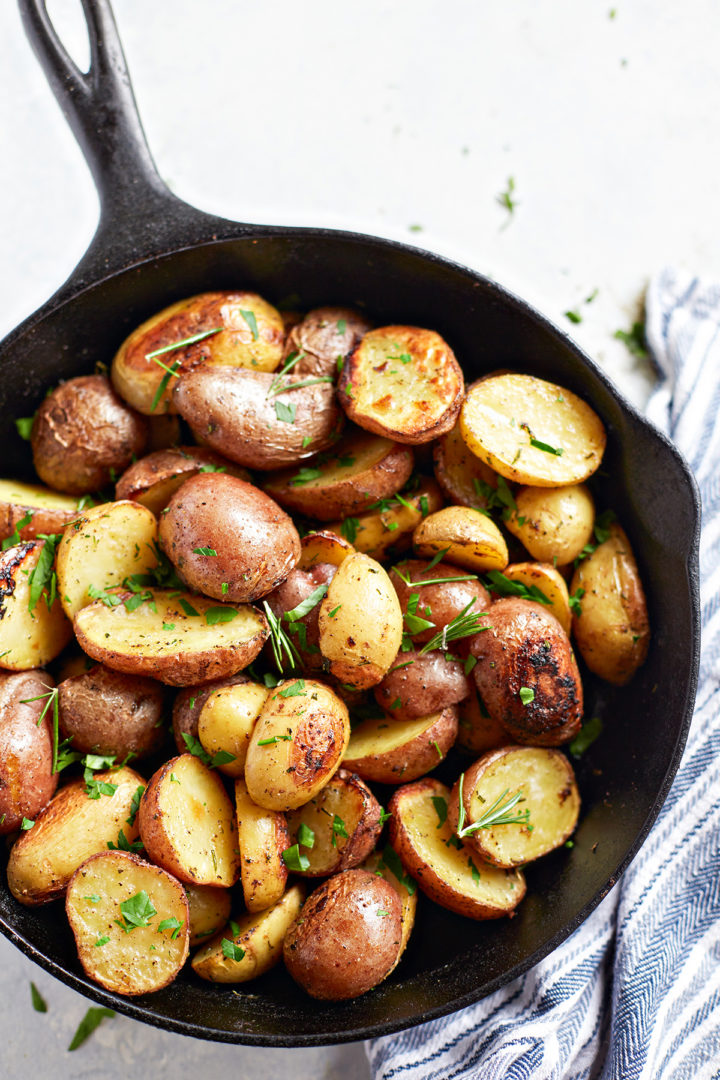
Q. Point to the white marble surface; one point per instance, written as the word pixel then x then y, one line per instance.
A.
pixel 377 117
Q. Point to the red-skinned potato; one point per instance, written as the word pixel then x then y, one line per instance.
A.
pixel 297 589
pixel 155 478
pixel 422 683
pixel 106 712
pixel 439 603
pixel 477 730
pixel 387 751
pixel 526 673
pixel 321 341
pixel 189 704
pixel 256 544
pixel 27 782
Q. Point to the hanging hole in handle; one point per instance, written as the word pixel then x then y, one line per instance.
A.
pixel 71 27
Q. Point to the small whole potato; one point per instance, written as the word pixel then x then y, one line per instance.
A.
pixel 106 712
pixel 27 782
pixel 438 603
pixel 347 937
pixel 83 434
pixel 422 683
pixel 297 588
pixel 227 539
pixel 554 524
pixel 325 336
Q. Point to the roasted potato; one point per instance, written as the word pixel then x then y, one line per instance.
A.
pixel 187 823
pixel 27 780
pixel 464 537
pixel 33 627
pixel 163 432
pixel 235 329
pixel 338 828
pixel 437 595
pixel 83 434
pixel 130 921
pixel 319 343
pixel 533 786
pixel 390 525
pixel 257 419
pixel 42 510
pixel 532 431
pixel 106 712
pixel 526 673
pixel 228 539
pixel 419 684
pixel 297 745
pixel 462 476
pixel 209 909
pixel 189 704
pixel 402 382
pixel 612 629
pixel 348 938
pixel 226 723
pixel 403 885
pixel 362 469
pixel 543 577
pixel 302 588
pixel 420 834
pixel 179 639
pixel 477 730
pixel 323 546
pixel 390 751
pixel 70 829
pixel 252 945
pixel 153 480
pixel 554 524
pixel 262 839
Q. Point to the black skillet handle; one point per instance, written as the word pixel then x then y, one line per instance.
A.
pixel 139 216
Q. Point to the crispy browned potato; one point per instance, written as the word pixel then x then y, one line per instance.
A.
pixel 106 712
pixel 440 601
pixel 344 820
pixel 228 539
pixel 453 877
pixel 464 537
pixel 323 546
pixel 32 633
pixel 262 839
pixel 130 921
pixel 189 704
pixel 532 431
pixel 27 782
pixel 154 479
pixel 179 639
pixel 362 469
pixel 462 476
pixel 534 786
pixel 83 434
pixel 402 382
pixel 257 419
pixel 209 910
pixel 252 945
pixel 70 829
pixel 47 510
pixel 297 744
pixel 320 342
pixel 527 675
pixel 187 823
pixel 419 684
pixel 477 731
pixel 348 938
pixel 554 524
pixel 235 329
pixel 227 721
pixel 390 525
pixel 390 751
pixel 612 630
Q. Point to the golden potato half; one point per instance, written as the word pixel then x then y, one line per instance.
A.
pixel 48 510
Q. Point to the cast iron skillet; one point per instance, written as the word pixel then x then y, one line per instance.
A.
pixel 150 249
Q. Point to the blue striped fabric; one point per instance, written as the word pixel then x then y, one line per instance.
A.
pixel 634 994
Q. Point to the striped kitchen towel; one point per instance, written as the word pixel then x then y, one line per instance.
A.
pixel 634 993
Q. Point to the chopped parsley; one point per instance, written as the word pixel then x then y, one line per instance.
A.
pixel 294 860
pixel 527 695
pixel 587 735
pixel 136 912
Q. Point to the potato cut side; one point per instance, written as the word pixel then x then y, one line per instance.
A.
pixel 130 921
pixel 187 823
pixel 153 480
pixel 70 829
pixel 226 723
pixel 28 639
pixel 337 828
pixel 324 546
pixel 49 510
pixel 362 469
pixel 532 431
pixel 209 911
pixel 252 945
pixel 466 538
pixel 549 800
pixel 403 382
pixel 394 520
pixel 391 751
pixel 462 476
pixel 551 584
pixel 183 640
pixel 554 524
pixel 262 838
pixel 101 548
pixel 451 876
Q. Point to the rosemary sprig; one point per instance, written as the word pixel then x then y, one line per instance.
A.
pixel 280 642
pixel 463 625
pixel 500 813
pixel 432 581
pixel 185 341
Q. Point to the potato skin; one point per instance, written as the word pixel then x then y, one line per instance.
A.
pixel 27 782
pixel 256 542
pixel 527 647
pixel 189 704
pixel 557 523
pixel 324 336
pixel 456 468
pixel 297 587
pixel 429 684
pixel 82 433
pixel 341 946
pixel 418 747
pixel 50 511
pixel 107 712
pixel 235 412
pixel 352 800
pixel 445 601
pixel 155 478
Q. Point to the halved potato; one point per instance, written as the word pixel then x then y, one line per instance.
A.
pixel 404 887
pixel 29 638
pixel 27 782
pixel 50 511
pixel 252 945
pixel 130 921
pixel 320 342
pixel 360 622
pixel 392 751
pixel 391 523
pixel 70 829
pixel 238 329
pixel 402 382
pixel 187 823
pixel 451 876
pixel 612 630
pixel 209 911
pixel 323 546
pixel 183 640
pixel 549 581
pixel 362 469
pixel 262 838
pixel 189 704
pixel 227 720
pixel 464 536
pixel 153 480
pixel 554 524
pixel 344 819
pixel 548 806
pixel 461 475
pixel 101 548
pixel 532 431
